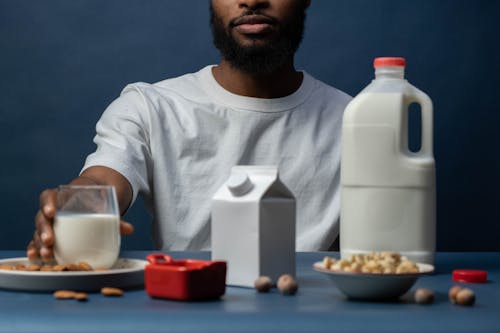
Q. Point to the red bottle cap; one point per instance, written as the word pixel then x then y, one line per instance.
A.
pixel 469 275
pixel 389 61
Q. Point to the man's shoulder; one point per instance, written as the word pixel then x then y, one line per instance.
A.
pixel 329 93
pixel 185 86
pixel 329 89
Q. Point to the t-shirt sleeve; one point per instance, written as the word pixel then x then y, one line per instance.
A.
pixel 122 139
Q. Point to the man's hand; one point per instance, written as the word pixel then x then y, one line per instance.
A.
pixel 42 244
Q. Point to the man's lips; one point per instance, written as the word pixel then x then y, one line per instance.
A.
pixel 253 24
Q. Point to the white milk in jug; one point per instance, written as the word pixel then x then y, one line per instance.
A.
pixel 387 190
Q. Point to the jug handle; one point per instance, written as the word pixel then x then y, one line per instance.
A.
pixel 427 115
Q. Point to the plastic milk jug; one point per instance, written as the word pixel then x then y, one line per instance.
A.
pixel 253 225
pixel 387 191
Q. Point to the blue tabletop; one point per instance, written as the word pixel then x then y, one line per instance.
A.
pixel 317 307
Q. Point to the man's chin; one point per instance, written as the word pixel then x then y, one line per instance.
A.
pixel 253 41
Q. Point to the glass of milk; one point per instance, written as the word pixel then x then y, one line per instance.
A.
pixel 87 226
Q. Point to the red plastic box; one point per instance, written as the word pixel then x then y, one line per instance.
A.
pixel 185 279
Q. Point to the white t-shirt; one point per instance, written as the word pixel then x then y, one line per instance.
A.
pixel 176 141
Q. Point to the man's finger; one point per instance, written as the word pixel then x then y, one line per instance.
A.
pixel 48 202
pixel 126 228
pixel 46 253
pixel 44 228
pixel 32 251
pixel 37 243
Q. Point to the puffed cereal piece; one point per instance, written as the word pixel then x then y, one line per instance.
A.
pixel 328 262
pixel 407 267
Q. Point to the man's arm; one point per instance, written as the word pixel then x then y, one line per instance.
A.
pixel 43 239
pixel 100 175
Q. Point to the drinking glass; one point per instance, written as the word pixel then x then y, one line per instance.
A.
pixel 87 226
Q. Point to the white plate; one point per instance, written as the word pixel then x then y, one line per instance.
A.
pixel 371 286
pixel 126 274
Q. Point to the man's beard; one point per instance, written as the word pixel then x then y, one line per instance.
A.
pixel 263 59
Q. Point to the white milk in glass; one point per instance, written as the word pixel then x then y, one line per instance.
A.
pixel 93 238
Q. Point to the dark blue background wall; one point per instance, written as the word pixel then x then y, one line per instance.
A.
pixel 62 62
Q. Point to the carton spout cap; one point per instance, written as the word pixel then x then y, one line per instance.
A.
pixel 239 184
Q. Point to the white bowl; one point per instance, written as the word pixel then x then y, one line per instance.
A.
pixel 371 286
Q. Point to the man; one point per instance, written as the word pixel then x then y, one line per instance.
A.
pixel 175 141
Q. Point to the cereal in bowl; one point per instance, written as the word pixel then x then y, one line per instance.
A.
pixel 374 263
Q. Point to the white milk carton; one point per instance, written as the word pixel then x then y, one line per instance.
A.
pixel 253 225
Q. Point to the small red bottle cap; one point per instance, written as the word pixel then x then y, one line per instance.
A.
pixel 469 275
pixel 389 61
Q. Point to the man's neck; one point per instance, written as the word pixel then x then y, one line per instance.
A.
pixel 278 84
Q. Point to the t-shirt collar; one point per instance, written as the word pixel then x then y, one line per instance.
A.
pixel 215 90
